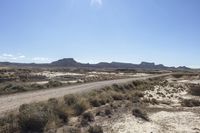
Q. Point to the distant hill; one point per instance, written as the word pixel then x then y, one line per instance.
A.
pixel 70 62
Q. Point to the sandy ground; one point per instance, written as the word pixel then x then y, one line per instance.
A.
pixel 161 122
pixel 13 101
pixel 164 118
pixel 171 94
pixel 57 74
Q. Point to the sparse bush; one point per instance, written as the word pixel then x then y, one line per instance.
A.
pixel 178 75
pixel 70 99
pixel 80 107
pixel 141 114
pixel 108 112
pixel 95 129
pixel 33 118
pixel 139 94
pixel 95 102
pixel 100 100
pixel 53 83
pixel 118 88
pixel 152 101
pixel 117 96
pixel 38 117
pixel 86 118
pixel 37 86
pixel 53 101
pixel 12 88
pixel 190 103
pixel 9 124
pixel 135 100
pixel 195 90
pixel 62 113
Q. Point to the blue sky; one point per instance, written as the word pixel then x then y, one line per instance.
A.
pixel 160 31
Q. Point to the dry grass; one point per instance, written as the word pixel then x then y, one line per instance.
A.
pixel 14 87
pixel 140 113
pixel 40 117
pixel 190 103
pixel 195 90
pixel 95 129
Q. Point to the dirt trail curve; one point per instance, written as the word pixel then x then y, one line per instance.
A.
pixel 13 101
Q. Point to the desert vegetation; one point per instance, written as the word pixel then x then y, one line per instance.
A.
pixel 14 87
pixel 194 90
pixel 55 113
pixel 13 80
pixel 89 111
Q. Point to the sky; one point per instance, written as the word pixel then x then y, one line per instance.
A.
pixel 161 31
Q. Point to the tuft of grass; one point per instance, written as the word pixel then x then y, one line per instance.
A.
pixel 95 129
pixel 9 123
pixel 38 86
pixel 53 83
pixel 117 96
pixel 95 102
pixel 70 99
pixel 81 106
pixel 141 114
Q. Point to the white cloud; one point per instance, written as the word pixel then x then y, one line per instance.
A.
pixel 96 3
pixel 41 59
pixel 22 56
pixel 7 55
pixel 11 57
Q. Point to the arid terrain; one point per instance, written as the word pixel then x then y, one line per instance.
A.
pixel 99 66
pixel 99 101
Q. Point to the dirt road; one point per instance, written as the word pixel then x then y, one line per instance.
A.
pixel 13 101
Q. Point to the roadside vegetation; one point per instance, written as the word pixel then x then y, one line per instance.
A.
pixel 194 90
pixel 14 80
pixel 55 113
pixel 14 87
pixel 184 74
pixel 190 103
